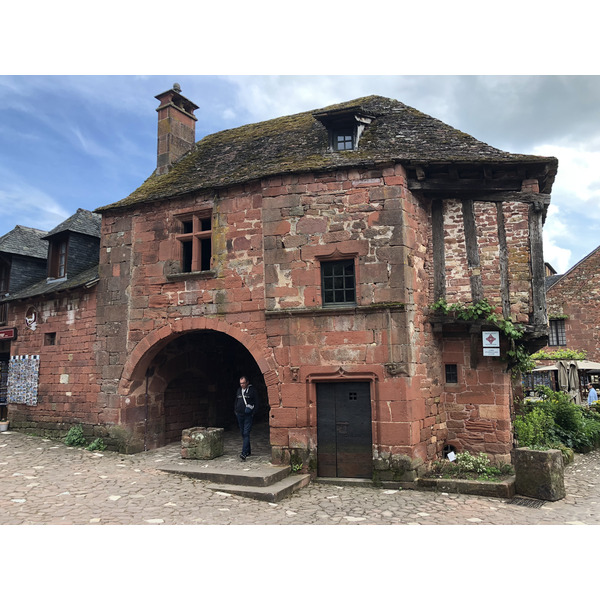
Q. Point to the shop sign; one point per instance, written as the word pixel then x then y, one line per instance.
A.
pixel 8 334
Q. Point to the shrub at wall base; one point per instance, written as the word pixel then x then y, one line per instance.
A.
pixel 539 473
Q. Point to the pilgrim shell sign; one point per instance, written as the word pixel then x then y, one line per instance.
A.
pixel 31 318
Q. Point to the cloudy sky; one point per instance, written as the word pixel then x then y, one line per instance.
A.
pixel 78 127
pixel 74 134
pixel 69 142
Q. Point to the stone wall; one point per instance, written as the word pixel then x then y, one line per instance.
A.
pixel 490 245
pixel 478 406
pixel 68 377
pixel 264 286
pixel 576 295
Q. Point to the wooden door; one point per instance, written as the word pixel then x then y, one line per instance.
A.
pixel 344 440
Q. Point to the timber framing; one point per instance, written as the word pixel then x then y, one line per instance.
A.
pixel 472 178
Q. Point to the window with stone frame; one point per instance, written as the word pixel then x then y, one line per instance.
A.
pixel 57 263
pixel 556 335
pixel 195 241
pixel 338 282
pixel 451 373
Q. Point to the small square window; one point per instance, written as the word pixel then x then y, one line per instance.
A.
pixel 338 283
pixel 557 336
pixel 50 339
pixel 451 374
pixel 343 139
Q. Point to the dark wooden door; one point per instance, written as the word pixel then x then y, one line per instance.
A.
pixel 344 441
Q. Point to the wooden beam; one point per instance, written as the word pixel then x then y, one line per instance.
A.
pixel 439 255
pixel 472 250
pixel 443 184
pixel 537 264
pixel 503 259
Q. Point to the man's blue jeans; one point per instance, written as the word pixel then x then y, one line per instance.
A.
pixel 245 423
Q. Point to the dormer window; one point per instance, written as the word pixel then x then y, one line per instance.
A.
pixel 57 265
pixel 345 127
pixel 4 275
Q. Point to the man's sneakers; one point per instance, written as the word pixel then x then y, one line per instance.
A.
pixel 243 456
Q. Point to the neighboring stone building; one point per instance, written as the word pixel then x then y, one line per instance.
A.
pixel 574 307
pixel 573 300
pixel 22 261
pixel 304 252
pixel 51 381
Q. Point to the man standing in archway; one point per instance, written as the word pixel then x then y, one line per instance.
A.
pixel 245 406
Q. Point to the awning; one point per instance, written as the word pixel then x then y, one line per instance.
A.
pixel 582 365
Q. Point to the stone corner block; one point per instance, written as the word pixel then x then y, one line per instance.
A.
pixel 202 443
pixel 539 473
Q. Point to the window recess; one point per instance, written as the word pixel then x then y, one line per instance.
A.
pixel 195 242
pixel 556 333
pixel 57 265
pixel 338 282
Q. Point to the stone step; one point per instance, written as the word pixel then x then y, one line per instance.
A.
pixel 271 493
pixel 262 476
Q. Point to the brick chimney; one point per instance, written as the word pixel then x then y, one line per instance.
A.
pixel 176 128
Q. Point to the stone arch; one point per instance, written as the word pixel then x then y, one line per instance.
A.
pixel 140 358
pixel 180 376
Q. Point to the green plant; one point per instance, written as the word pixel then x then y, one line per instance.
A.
pixel 468 466
pixel 75 436
pixel 534 429
pixel 562 354
pixel 518 357
pixel 97 444
pixel 556 422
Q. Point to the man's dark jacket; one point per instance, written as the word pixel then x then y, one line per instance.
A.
pixel 251 398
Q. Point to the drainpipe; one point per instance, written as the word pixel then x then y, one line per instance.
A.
pixel 149 374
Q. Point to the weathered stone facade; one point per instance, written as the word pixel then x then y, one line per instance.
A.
pixel 68 379
pixel 575 295
pixel 171 341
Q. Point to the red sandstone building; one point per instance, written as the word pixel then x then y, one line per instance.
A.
pixel 573 300
pixel 303 252
pixel 573 307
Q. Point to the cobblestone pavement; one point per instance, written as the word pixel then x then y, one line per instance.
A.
pixel 43 481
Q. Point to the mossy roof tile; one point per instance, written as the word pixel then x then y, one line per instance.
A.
pixel 299 143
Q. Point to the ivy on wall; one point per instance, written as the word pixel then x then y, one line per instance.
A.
pixel 517 356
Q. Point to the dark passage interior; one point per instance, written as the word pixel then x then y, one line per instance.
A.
pixel 192 383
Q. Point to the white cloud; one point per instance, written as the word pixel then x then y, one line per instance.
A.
pixel 578 174
pixel 22 204
pixel 556 228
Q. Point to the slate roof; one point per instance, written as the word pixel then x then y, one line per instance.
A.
pixel 25 241
pixel 83 221
pixel 299 143
pixel 551 280
pixel 44 287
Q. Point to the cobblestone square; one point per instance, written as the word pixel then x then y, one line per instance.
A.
pixel 44 482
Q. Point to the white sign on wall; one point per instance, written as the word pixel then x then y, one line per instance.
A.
pixel 491 339
pixel 491 351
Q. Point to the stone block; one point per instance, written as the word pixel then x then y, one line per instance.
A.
pixel 202 443
pixel 539 473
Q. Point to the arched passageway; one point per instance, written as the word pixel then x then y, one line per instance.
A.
pixel 191 382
